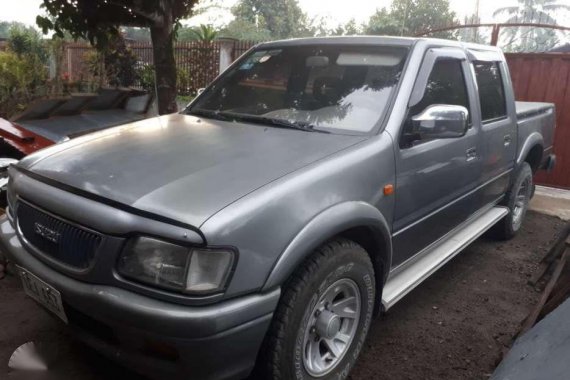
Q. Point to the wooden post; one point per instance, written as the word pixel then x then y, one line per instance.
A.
pixel 495 35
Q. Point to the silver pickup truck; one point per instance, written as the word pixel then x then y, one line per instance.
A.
pixel 306 190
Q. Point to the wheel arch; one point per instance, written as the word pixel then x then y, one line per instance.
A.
pixel 534 157
pixel 531 151
pixel 358 221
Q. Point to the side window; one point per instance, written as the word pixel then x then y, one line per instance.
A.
pixel 491 91
pixel 445 86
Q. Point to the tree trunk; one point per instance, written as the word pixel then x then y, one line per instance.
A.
pixel 164 66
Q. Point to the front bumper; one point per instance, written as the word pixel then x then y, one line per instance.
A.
pixel 154 337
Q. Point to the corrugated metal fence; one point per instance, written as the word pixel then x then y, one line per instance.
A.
pixel 545 77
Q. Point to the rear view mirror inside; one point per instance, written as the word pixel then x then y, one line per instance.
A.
pixel 361 59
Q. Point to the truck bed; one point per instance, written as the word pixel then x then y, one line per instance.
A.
pixel 535 117
pixel 528 109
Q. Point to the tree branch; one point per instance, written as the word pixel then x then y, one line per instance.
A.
pixel 154 18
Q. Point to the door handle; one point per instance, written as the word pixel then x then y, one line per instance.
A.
pixel 507 140
pixel 471 154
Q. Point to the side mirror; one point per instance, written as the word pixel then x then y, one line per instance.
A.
pixel 441 121
pixel 200 90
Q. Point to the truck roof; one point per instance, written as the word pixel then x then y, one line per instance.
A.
pixel 373 40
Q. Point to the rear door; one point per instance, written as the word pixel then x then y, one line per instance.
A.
pixel 435 177
pixel 497 123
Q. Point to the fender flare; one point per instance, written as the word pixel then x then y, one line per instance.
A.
pixel 531 141
pixel 329 223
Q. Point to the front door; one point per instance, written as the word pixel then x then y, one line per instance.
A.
pixel 435 178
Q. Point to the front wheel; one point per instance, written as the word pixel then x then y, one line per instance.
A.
pixel 517 200
pixel 324 315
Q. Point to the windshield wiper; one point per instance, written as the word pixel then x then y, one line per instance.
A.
pixel 280 123
pixel 211 114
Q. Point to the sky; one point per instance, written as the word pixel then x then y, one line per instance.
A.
pixel 337 11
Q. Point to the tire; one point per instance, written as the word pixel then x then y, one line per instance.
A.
pixel 340 271
pixel 517 200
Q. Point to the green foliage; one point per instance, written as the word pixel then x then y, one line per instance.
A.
pixel 120 63
pixel 527 39
pixel 203 33
pixel 185 34
pixel 185 85
pixel 351 28
pixel 411 17
pixel 282 18
pixel 145 73
pixel 115 65
pixel 6 26
pixel 17 73
pixel 383 22
pixel 95 65
pixel 26 41
pixel 245 30
pixel 21 79
pixel 23 71
pixel 99 20
pixel 320 27
pixel 472 34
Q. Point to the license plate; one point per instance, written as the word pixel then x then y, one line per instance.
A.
pixel 45 294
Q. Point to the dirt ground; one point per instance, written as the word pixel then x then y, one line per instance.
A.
pixel 453 326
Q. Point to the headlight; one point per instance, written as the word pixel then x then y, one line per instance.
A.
pixel 170 266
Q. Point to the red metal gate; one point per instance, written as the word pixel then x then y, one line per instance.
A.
pixel 545 77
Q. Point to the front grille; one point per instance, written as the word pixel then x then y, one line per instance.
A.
pixel 57 239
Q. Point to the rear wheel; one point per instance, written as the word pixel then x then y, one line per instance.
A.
pixel 324 315
pixel 517 200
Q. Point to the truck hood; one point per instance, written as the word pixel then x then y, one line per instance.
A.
pixel 180 166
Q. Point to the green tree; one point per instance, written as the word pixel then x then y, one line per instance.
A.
pixel 471 34
pixel 321 27
pixel 120 63
pixel 351 28
pixel 5 27
pixel 241 29
pixel 27 41
pixel 282 18
pixel 383 22
pixel 411 17
pixel 100 20
pixel 202 33
pixel 531 39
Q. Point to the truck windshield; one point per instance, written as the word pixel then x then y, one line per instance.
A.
pixel 333 88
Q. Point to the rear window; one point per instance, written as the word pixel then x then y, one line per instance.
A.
pixel 491 91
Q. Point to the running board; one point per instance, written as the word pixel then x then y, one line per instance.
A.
pixel 401 283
